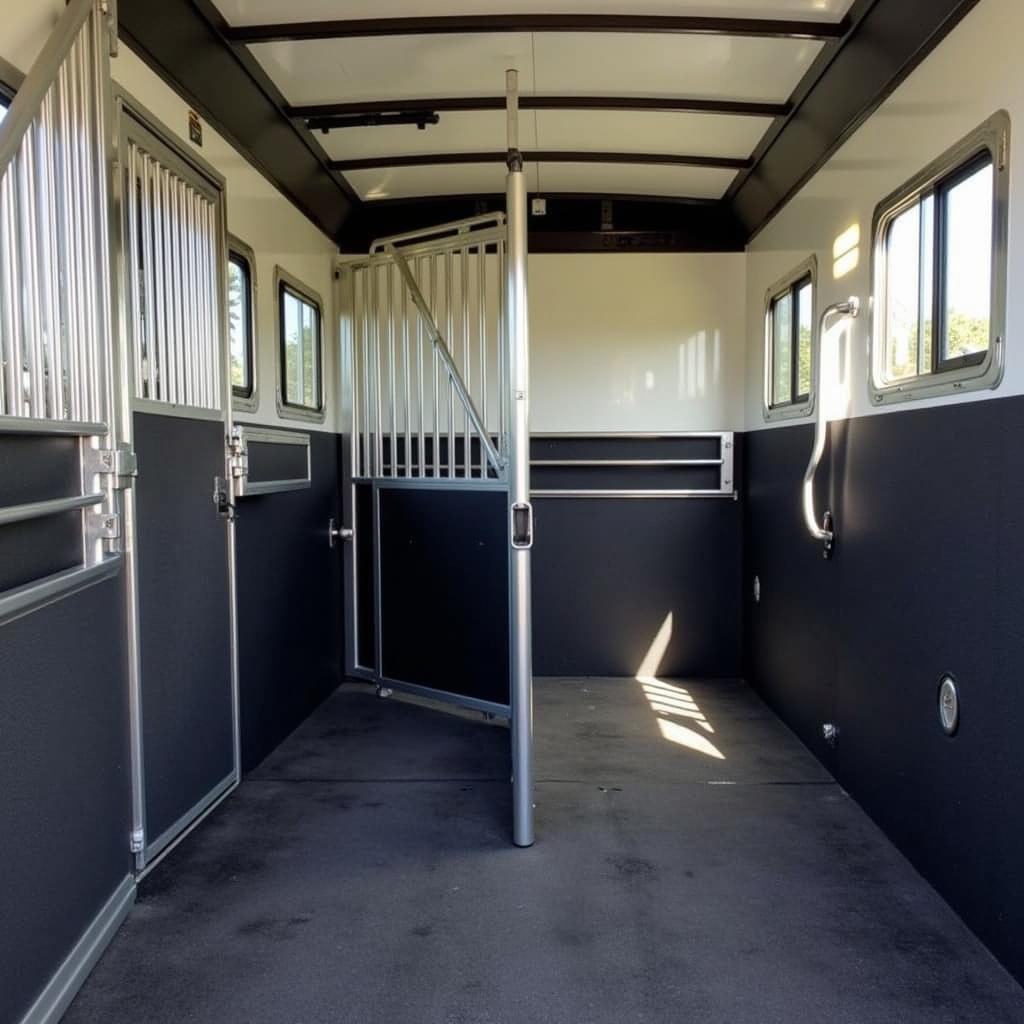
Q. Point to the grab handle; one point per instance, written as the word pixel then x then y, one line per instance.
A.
pixel 825 532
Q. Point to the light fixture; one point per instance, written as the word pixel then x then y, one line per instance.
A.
pixel 375 119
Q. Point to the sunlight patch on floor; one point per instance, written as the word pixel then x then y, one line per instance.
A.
pixel 671 702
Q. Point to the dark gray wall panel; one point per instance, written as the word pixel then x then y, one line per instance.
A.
pixel 65 802
pixel 269 461
pixel 606 573
pixel 790 636
pixel 290 619
pixel 184 615
pixel 925 579
pixel 366 577
pixel 444 589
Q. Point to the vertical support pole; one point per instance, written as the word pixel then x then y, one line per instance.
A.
pixel 520 511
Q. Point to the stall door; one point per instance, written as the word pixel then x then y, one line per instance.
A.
pixel 181 542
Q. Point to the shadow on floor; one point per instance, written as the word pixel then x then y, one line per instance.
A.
pixel 363 874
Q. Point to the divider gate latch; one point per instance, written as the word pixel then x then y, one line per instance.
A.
pixel 522 525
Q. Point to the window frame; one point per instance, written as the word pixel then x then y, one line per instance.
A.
pixel 798 406
pixel 989 143
pixel 246 400
pixel 286 283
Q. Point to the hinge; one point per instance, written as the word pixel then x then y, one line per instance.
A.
pixel 119 465
pixel 105 525
pixel 137 841
pixel 238 457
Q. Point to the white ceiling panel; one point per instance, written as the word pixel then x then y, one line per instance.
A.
pixel 624 131
pixel 458 132
pixel 254 12
pixel 715 67
pixel 635 179
pixel 434 180
pixel 588 64
pixel 607 130
pixel 609 179
pixel 399 67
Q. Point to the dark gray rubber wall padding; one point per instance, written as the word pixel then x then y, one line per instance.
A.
pixel 290 615
pixel 366 577
pixel 269 461
pixel 444 589
pixel 65 805
pixel 926 579
pixel 184 616
pixel 608 572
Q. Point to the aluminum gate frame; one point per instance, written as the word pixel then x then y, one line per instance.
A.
pixel 394 443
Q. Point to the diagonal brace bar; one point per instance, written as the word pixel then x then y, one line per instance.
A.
pixel 446 357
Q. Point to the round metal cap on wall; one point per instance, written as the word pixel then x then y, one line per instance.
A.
pixel 949 705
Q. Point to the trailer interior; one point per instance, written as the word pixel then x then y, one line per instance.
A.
pixel 511 512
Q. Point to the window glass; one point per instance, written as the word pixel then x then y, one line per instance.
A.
pixel 967 266
pixel 240 332
pixel 937 271
pixel 782 349
pixel 300 339
pixel 805 335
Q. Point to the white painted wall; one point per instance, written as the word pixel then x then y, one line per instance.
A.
pixel 257 213
pixel 636 342
pixel 973 73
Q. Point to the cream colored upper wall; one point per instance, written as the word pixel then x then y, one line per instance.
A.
pixel 973 73
pixel 256 212
pixel 636 342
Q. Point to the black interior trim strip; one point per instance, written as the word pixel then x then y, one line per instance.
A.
pixel 746 108
pixel 542 156
pixel 351 28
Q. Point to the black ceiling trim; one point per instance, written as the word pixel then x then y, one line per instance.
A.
pixel 484 23
pixel 543 156
pixel 452 104
pixel 573 222
pixel 182 41
pixel 888 40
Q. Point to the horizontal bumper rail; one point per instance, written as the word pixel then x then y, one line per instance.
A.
pixel 42 509
pixel 614 493
pixel 44 428
pixel 32 596
pixel 626 462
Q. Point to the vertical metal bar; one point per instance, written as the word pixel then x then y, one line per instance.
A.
pixel 354 379
pixel 144 369
pixel 437 373
pixel 365 468
pixel 10 280
pixel 481 284
pixel 187 293
pixel 407 371
pixel 66 230
pixel 31 328
pixel 521 689
pixel 421 460
pixel 449 290
pixel 502 350
pixel 392 376
pixel 145 270
pixel 217 339
pixel 467 376
pixel 158 279
pixel 166 271
pixel 86 210
pixel 48 262
pixel 377 402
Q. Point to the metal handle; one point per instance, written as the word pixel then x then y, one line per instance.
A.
pixel 825 533
pixel 336 533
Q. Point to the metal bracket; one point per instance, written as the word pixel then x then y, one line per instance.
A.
pixel 336 533
pixel 118 466
pixel 137 841
pixel 522 526
pixel 109 9
pixel 238 456
pixel 104 526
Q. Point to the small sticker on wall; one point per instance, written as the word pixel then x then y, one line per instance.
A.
pixel 195 128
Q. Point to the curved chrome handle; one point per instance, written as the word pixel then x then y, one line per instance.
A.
pixel 825 533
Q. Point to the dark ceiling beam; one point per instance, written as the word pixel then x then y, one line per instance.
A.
pixel 542 156
pixel 463 103
pixel 887 40
pixel 182 41
pixel 574 222
pixel 355 28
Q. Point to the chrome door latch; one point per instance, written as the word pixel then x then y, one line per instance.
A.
pixel 337 533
